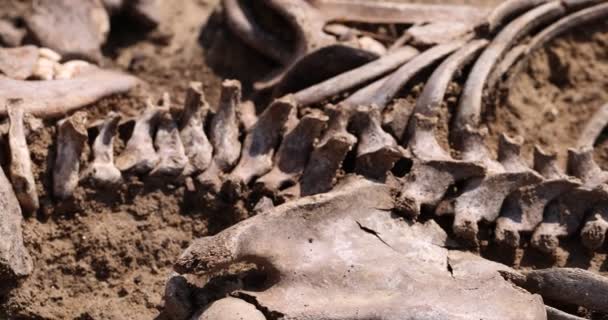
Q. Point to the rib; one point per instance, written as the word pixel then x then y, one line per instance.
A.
pixel 506 11
pixel 20 171
pixel 57 98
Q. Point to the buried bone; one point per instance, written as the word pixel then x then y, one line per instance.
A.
pixel 349 240
pixel 139 154
pixel 20 171
pixel 292 155
pixel 258 148
pixel 71 140
pixel 192 133
pixel 102 170
pixel 171 154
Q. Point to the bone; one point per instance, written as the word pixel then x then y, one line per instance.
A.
pixel 86 22
pixel 18 63
pixel 102 170
pixel 351 232
pixel 377 150
pixel 139 154
pixel 57 98
pixel 569 286
pixel 593 234
pixel 523 210
pixel 71 140
pixel 259 145
pixel 170 149
pixel 506 11
pixel 15 261
pixel 470 105
pixel 556 314
pixel 45 69
pixel 72 69
pixel 229 309
pixel 10 35
pixel 326 159
pixel 348 80
pixel 482 199
pixel 20 171
pixel 224 135
pixel 594 126
pixel 248 115
pixel 292 157
pixel 565 216
pixel 437 33
pixel 192 132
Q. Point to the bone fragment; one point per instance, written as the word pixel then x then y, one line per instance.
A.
pixel 72 69
pixel 292 156
pixel 139 154
pixel 71 140
pixel 20 172
pixel 18 63
pixel 102 170
pixel 225 127
pixel 192 132
pixel 170 149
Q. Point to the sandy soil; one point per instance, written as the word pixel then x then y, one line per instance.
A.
pixel 108 253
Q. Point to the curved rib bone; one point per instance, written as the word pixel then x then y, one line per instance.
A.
pixel 20 171
pixel 192 132
pixel 523 210
pixel 224 135
pixel 71 141
pixel 292 155
pixel 349 241
pixel 102 170
pixel 56 98
pixel 470 106
pixel 507 10
pixel 171 153
pixel 139 155
pixel 259 145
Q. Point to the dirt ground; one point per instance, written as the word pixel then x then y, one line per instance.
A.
pixel 107 253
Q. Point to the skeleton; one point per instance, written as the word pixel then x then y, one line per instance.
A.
pixel 297 155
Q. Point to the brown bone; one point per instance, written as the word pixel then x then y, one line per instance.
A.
pixel 71 140
pixel 20 171
pixel 350 241
pixel 102 170
pixel 170 150
pixel 192 132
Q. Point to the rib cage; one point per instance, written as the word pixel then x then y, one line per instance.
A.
pixel 540 200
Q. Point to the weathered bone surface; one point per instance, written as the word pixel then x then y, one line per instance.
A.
pixel 292 155
pixel 102 170
pixel 229 309
pixel 139 154
pixel 192 132
pixel 57 98
pixel 224 135
pixel 172 159
pixel 15 261
pixel 261 141
pixel 71 139
pixel 86 22
pixel 18 63
pixel 20 171
pixel 349 241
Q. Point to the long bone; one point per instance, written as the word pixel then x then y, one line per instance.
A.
pixel 20 172
pixel 86 22
pixel 291 157
pixel 261 141
pixel 102 169
pixel 523 210
pixel 434 170
pixel 57 98
pixel 224 136
pixel 71 140
pixel 139 155
pixel 192 132
pixel 349 241
pixel 309 19
pixel 507 10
